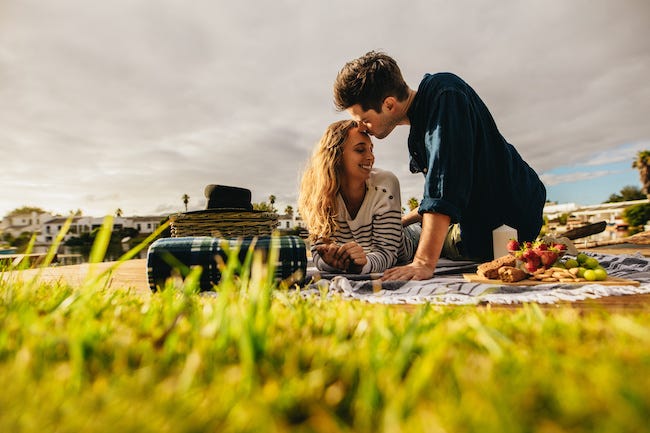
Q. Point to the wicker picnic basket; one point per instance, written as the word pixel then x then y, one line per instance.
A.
pixel 223 223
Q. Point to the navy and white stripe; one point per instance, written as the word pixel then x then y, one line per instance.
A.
pixel 170 256
pixel 377 226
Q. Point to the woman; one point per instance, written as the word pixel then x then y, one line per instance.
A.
pixel 353 211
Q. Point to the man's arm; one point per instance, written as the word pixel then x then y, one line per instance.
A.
pixel 434 231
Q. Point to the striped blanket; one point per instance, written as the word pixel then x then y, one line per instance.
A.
pixel 451 288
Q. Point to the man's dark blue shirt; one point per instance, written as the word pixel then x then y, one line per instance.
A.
pixel 472 174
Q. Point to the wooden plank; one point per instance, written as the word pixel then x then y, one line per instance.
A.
pixel 584 231
pixel 33 259
pixel 129 274
pixel 610 281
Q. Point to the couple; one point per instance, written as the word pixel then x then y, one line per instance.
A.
pixel 474 180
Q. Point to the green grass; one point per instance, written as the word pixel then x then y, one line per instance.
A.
pixel 262 358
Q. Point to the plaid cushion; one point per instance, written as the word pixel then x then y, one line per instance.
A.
pixel 169 256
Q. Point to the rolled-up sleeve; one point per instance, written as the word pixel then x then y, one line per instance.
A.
pixel 449 153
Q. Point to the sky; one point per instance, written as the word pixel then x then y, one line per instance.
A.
pixel 130 104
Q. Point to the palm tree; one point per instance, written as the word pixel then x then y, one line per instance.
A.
pixel 289 210
pixel 642 163
pixel 263 206
pixel 186 200
pixel 413 203
pixel 272 201
pixel 118 212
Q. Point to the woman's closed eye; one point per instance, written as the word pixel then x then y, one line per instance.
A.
pixel 362 148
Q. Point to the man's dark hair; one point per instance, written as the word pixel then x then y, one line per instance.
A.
pixel 367 81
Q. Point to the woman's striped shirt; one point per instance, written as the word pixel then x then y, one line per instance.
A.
pixel 377 226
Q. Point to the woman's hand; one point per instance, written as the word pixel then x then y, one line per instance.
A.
pixel 354 257
pixel 348 257
pixel 329 254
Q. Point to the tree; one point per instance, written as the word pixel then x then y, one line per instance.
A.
pixel 186 200
pixel 118 212
pixel 167 233
pixel 22 241
pixel 262 206
pixel 413 203
pixel 289 210
pixel 25 210
pixel 627 193
pixel 8 237
pixel 642 163
pixel 562 219
pixel 637 215
pixel 272 201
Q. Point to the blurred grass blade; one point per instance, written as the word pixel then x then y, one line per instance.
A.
pixel 24 262
pixel 51 252
pixel 100 245
pixel 135 250
pixel 145 243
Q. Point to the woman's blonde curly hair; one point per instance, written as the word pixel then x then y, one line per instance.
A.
pixel 321 181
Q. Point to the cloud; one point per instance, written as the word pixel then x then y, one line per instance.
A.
pixel 133 103
pixel 557 179
pixel 626 153
pixel 606 159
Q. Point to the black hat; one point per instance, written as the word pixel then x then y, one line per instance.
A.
pixel 228 197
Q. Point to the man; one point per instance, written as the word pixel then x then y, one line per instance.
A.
pixel 474 180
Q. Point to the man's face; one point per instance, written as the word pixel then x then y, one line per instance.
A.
pixel 376 124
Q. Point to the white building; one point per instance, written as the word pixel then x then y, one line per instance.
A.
pixel 30 222
pixel 554 211
pixel 78 226
pixel 611 213
pixel 86 224
pixel 144 224
pixel 290 222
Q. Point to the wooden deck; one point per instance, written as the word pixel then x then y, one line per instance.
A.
pixel 28 260
pixel 129 274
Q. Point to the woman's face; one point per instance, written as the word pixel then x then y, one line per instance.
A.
pixel 358 158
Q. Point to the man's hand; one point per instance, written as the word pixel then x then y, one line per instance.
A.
pixel 412 271
pixel 434 230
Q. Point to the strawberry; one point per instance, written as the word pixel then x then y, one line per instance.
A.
pixel 532 265
pixel 548 257
pixel 541 246
pixel 560 247
pixel 529 255
pixel 512 245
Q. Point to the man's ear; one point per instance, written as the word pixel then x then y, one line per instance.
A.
pixel 390 103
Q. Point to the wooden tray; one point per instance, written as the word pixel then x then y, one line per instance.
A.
pixel 610 281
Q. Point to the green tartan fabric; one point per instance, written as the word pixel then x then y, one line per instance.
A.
pixel 175 256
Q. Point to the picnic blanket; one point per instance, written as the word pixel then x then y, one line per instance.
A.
pixel 449 287
pixel 176 256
